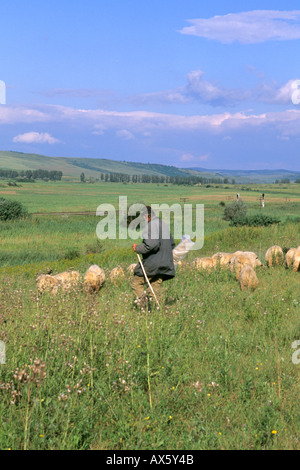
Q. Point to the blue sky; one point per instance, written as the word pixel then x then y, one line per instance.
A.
pixel 180 82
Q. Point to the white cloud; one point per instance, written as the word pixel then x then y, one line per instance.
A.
pixel 196 89
pixel 250 27
pixel 145 123
pixel 35 137
pixel 275 94
pixel 12 115
pixel 125 134
pixel 208 92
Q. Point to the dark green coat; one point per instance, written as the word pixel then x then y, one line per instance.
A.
pixel 156 249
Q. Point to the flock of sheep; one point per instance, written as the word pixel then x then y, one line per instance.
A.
pixel 242 263
pixel 93 280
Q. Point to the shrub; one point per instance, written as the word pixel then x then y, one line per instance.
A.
pixel 257 220
pixel 10 210
pixel 71 254
pixel 94 248
pixel 235 210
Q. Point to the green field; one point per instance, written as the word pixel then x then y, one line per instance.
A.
pixel 212 369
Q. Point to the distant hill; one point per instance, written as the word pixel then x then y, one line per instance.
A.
pixel 254 176
pixel 92 167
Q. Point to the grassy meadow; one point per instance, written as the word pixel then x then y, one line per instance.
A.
pixel 211 370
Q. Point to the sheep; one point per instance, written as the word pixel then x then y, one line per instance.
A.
pixel 274 255
pixel 68 279
pixel 116 273
pixel 204 264
pixel 289 257
pixel 240 261
pixel 47 283
pixel 296 260
pixel 94 279
pixel 223 259
pixel 248 278
pixel 254 257
pixel 63 281
pixel 131 268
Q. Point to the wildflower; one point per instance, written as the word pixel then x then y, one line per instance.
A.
pixel 198 386
pixel 148 417
pixel 274 431
pixel 214 384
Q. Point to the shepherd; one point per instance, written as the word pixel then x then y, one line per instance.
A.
pixel 157 265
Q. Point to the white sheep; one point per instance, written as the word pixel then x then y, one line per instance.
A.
pixel 64 281
pixel 94 279
pixel 289 257
pixel 47 283
pixel 240 261
pixel 296 260
pixel 223 259
pixel 204 264
pixel 274 255
pixel 68 280
pixel 248 278
pixel 131 268
pixel 116 273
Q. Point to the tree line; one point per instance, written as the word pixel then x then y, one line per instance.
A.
pixel 158 179
pixel 52 175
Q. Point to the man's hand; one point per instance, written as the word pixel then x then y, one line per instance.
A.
pixel 134 247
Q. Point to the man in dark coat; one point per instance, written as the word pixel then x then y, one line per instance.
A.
pixel 156 248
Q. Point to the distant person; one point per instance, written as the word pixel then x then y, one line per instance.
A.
pixel 237 196
pixel 156 248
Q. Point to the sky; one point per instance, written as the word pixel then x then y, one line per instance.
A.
pixel 187 83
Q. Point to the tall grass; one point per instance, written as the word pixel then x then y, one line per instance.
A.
pixel 211 370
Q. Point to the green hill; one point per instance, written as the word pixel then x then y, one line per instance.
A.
pixel 92 167
pixel 255 176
